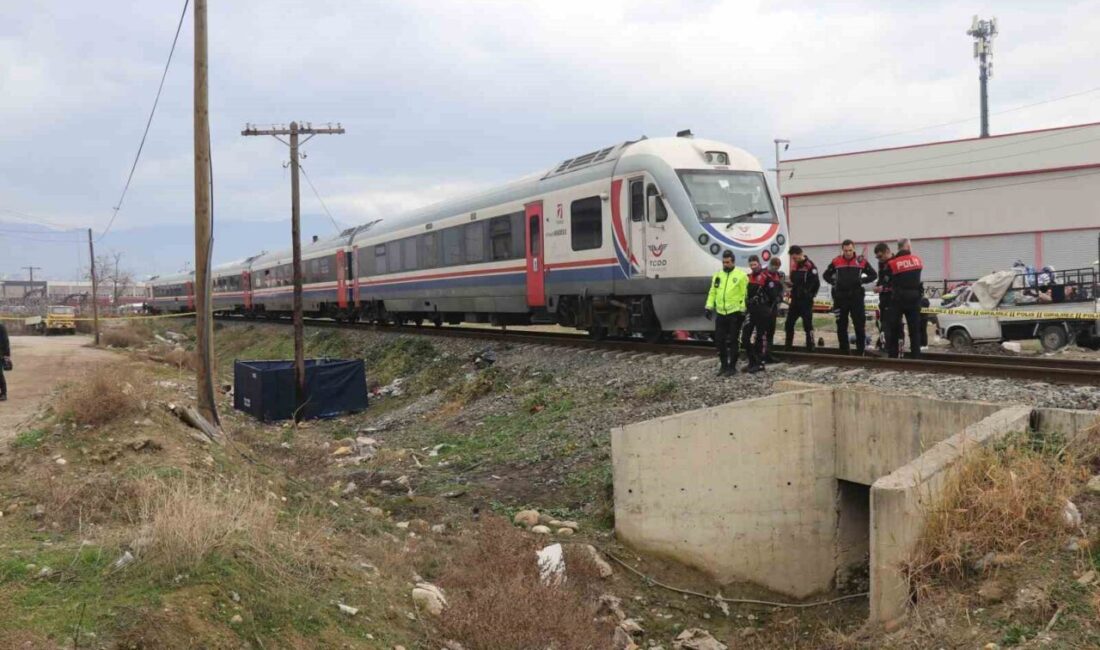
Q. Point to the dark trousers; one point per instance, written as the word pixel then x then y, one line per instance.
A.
pixel 3 382
pixel 726 327
pixel 885 321
pixel 854 310
pixel 755 332
pixel 910 311
pixel 804 309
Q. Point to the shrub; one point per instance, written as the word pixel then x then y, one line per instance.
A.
pixel 999 498
pixel 185 520
pixel 496 601
pixel 106 393
pixel 126 336
pixel 181 359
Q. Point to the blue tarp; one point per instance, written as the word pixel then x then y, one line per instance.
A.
pixel 265 389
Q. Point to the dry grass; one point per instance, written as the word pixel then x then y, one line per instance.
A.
pixel 496 601
pixel 999 501
pixel 126 336
pixel 180 358
pixel 105 394
pixel 75 502
pixel 187 519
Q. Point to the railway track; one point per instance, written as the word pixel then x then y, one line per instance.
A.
pixel 1040 369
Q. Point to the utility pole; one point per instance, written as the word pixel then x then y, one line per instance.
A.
pixel 293 131
pixel 983 32
pixel 204 325
pixel 31 270
pixel 95 288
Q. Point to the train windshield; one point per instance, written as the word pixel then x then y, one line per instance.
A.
pixel 729 197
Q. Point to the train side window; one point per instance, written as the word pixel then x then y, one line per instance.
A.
pixel 380 266
pixel 518 231
pixel 500 238
pixel 536 239
pixel 408 253
pixel 586 223
pixel 429 250
pixel 637 201
pixel 475 242
pixel 452 246
pixel 327 270
pixel 660 212
pixel 365 261
pixel 393 255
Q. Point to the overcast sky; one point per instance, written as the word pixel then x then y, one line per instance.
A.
pixel 441 98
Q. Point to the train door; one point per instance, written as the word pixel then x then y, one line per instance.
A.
pixel 341 279
pixel 189 287
pixel 246 289
pixel 636 223
pixel 536 268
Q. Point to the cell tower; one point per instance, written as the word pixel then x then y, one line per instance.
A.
pixel 983 32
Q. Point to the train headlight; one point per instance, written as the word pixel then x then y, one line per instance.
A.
pixel 717 158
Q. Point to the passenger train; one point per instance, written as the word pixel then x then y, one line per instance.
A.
pixel 621 241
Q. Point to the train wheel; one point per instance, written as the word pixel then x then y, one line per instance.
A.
pixel 1053 338
pixel 655 336
pixel 597 332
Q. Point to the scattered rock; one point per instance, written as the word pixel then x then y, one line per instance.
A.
pixel 429 597
pixel 611 607
pixel 61 461
pixel 45 572
pixel 1087 578
pixel 1071 516
pixel 602 566
pixel 632 627
pixel 545 519
pixel 992 560
pixel 991 646
pixel 1073 545
pixel 124 560
pixel 374 511
pixel 992 591
pixel 38 512
pixel 551 562
pixel 1094 484
pixel 349 488
pixel 1031 600
pixel 540 530
pixel 340 452
pixel 697 639
pixel 420 526
pixel 1011 346
pixel 236 620
pixel 622 640
pixel 350 611
pixel 439 529
pixel 564 532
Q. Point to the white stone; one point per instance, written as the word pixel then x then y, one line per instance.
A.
pixel 602 566
pixel 697 639
pixel 551 562
pixel 429 597
pixel 1071 516
pixel 346 609
pixel 1094 484
pixel 526 518
pixel 540 530
pixel 236 620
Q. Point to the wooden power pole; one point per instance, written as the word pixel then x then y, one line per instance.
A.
pixel 293 131
pixel 95 288
pixel 204 326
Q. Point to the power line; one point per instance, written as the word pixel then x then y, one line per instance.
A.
pixel 318 195
pixel 959 191
pixel 148 123
pixel 943 124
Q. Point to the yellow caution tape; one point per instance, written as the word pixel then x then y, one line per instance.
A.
pixel 1000 313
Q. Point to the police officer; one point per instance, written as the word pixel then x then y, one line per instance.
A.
pixel 805 284
pixel 904 270
pixel 726 304
pixel 780 277
pixel 885 297
pixel 763 291
pixel 848 273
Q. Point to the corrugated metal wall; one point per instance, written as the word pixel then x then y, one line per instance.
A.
pixel 931 253
pixel 1072 249
pixel 973 257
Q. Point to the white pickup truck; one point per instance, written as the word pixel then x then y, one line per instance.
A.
pixel 1070 313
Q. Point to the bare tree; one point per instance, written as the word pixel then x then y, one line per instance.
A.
pixel 111 274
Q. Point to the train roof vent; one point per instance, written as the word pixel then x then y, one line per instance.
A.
pixel 587 160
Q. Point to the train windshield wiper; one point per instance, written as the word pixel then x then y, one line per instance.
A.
pixel 741 217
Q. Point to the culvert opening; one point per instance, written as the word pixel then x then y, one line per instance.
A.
pixel 853 537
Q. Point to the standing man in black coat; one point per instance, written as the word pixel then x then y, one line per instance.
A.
pixel 5 359
pixel 848 273
pixel 805 284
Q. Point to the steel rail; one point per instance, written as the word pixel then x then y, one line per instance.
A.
pixel 1045 369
